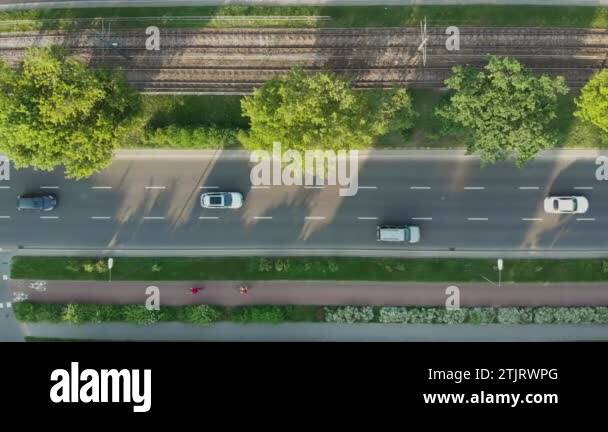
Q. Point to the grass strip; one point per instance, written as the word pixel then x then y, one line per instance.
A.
pixel 341 16
pixel 308 268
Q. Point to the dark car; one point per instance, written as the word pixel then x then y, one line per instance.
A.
pixel 40 201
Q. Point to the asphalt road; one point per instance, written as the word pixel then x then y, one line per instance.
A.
pixel 151 201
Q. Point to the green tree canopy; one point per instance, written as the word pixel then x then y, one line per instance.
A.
pixel 505 109
pixel 55 111
pixel 305 111
pixel 592 103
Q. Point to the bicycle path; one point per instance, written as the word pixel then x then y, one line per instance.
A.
pixel 283 292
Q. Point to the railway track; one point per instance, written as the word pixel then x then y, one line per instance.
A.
pixel 238 60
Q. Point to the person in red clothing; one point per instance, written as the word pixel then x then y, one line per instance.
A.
pixel 194 290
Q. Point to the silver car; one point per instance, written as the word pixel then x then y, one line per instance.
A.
pixel 218 200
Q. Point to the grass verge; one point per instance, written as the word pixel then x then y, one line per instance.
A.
pixel 341 16
pixel 304 268
pixel 212 122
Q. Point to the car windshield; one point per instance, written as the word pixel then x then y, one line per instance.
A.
pixel 227 200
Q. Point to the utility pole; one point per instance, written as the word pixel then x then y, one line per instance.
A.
pixel 110 265
pixel 500 265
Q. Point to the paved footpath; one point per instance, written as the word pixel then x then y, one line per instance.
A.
pixel 314 293
pixel 319 332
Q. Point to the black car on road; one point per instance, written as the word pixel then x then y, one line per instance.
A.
pixel 37 201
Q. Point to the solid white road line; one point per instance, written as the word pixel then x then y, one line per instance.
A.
pixel 155 187
pixel 368 187
pixel 101 187
pixel 585 219
pixel 101 217
pixel 474 187
pixel 422 218
pixel 154 217
pixel 531 219
pixel 314 217
pixel 209 187
pixel 477 219
pixel 262 217
pixel 49 187
pixel 529 188
pixel 367 217
pixel 583 187
pixel 420 187
pixel 208 217
pixel 5 187
pixel 49 217
pixel 5 217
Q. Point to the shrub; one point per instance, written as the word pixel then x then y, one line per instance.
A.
pixel 156 268
pixel 138 314
pixel 482 315
pixel 456 316
pixel 258 314
pixel 514 315
pixel 210 137
pixel 281 265
pixel 37 312
pixel 265 265
pixel 199 314
pixel 101 266
pixel 349 314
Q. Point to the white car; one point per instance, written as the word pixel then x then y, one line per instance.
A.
pixel 233 200
pixel 566 204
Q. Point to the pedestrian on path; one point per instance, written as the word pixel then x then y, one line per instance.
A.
pixel 244 289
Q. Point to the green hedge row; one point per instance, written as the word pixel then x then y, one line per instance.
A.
pixel 137 314
pixel 205 314
pixel 480 315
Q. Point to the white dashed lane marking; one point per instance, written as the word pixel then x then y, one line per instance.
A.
pixel 367 217
pixel 420 187
pixel 156 187
pixel 101 217
pixel 154 217
pixel 474 187
pixel 314 217
pixel 368 187
pixel 477 219
pixel 422 218
pixel 49 187
pixel 49 217
pixel 585 219
pixel 262 217
pixel 528 187
pixel 209 187
pixel 531 219
pixel 208 217
pixel 101 187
